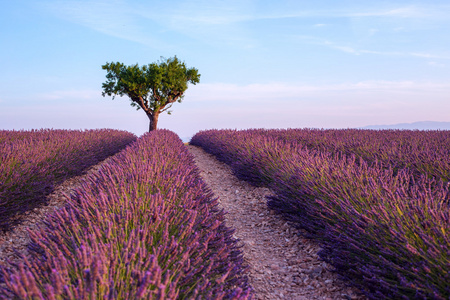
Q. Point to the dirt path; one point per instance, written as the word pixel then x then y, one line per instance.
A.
pixel 282 264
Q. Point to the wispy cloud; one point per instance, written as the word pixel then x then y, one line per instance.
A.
pixel 356 51
pixel 114 18
pixel 436 64
pixel 150 23
pixel 430 56
pixel 296 105
pixel 283 91
pixel 425 10
pixel 430 11
pixel 409 11
pixel 214 22
pixel 68 94
pixel 323 42
pixel 210 21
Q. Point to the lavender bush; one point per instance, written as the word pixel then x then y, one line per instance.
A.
pixel 422 152
pixel 33 162
pixel 145 226
pixel 385 230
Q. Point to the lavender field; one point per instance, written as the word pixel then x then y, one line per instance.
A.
pixel 33 162
pixel 377 201
pixel 144 226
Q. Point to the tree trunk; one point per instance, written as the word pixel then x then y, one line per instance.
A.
pixel 153 121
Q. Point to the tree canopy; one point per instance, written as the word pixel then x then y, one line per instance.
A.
pixel 153 87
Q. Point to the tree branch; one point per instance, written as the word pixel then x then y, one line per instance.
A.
pixel 172 98
pixel 166 108
pixel 140 101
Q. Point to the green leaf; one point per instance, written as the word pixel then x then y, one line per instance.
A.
pixel 151 87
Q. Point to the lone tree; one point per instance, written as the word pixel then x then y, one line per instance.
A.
pixel 154 87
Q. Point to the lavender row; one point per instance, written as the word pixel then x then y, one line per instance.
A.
pixel 386 232
pixel 33 162
pixel 145 226
pixel 423 152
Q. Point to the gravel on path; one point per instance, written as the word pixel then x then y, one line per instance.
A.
pixel 282 264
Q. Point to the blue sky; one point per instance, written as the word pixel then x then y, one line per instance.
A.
pixel 271 64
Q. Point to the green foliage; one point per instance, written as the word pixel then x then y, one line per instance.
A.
pixel 153 87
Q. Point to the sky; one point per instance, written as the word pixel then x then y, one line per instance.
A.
pixel 263 64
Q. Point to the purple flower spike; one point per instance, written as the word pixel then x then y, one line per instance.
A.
pixel 145 226
pixel 377 201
